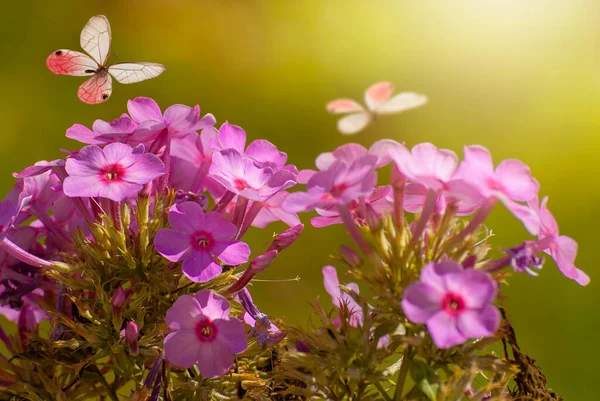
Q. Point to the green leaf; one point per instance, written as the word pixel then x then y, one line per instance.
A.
pixel 425 379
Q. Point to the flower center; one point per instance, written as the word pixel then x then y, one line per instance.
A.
pixel 113 172
pixel 206 331
pixel 203 240
pixel 453 304
pixel 336 191
pixel 495 185
pixel 240 184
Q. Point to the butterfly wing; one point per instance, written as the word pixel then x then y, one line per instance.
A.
pixel 377 94
pixel 339 106
pixel 129 73
pixel 95 38
pixel 69 62
pixel 353 123
pixel 95 90
pixel 401 102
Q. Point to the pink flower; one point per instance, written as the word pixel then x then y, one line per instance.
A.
pixel 340 184
pixel 200 239
pixel 379 200
pixel 102 132
pixel 561 248
pixel 341 299
pixel 454 303
pixel 272 211
pixel 116 172
pixel 204 334
pixel 511 182
pixel 178 120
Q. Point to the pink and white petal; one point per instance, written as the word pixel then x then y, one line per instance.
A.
pixel 115 152
pixel 291 219
pixel 564 252
pixel 304 176
pixel 353 123
pixel 83 134
pixel 377 94
pixel 233 335
pixel 215 360
pixel 227 163
pixel 119 190
pixel 181 118
pixel 143 108
pixel 325 160
pixel 476 167
pixel 402 102
pixel 444 331
pixel 89 160
pixel 331 283
pixel 528 217
pixel 414 197
pixel 515 177
pixel 340 106
pixel 187 217
pixel 220 229
pixel 432 274
pixel 381 149
pixel 200 267
pixel 547 220
pixel 402 157
pixel 477 288
pixel 325 221
pixel 302 201
pixel 265 152
pixel 232 137
pixel 173 245
pixel 184 313
pixel 350 152
pixel 147 168
pixel 231 253
pixel 213 306
pixel 479 323
pixel 183 349
pixel 82 187
pixel 208 121
pixel 421 301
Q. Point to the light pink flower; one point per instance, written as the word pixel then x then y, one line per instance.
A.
pixel 341 299
pixel 511 182
pixel 102 132
pixel 204 334
pixel 272 211
pixel 200 239
pixel 116 172
pixel 561 248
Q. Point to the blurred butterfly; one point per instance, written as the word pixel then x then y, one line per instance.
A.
pixel 95 39
pixel 379 100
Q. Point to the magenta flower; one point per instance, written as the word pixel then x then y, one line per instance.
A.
pixel 102 132
pixel 340 184
pixel 561 248
pixel 200 239
pixel 204 334
pixel 272 210
pixel 117 172
pixel 341 299
pixel 454 303
pixel 511 182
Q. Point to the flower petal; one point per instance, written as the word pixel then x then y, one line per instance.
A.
pixel 215 360
pixel 477 288
pixel 144 108
pixel 214 306
pixel 200 267
pixel 173 245
pixel 219 227
pixel 232 335
pixel 421 302
pixel 231 253
pixel 479 323
pixel 183 349
pixel 444 331
pixel 187 217
pixel 184 313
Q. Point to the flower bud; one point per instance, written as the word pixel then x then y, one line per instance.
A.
pixel 286 238
pixel 372 219
pixel 183 196
pixel 132 333
pixel 350 256
pixel 118 301
pixel 257 265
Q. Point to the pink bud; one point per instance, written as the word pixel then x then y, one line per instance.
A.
pixel 132 334
pixel 286 238
pixel 257 265
pixel 350 256
pixel 119 297
pixel 373 220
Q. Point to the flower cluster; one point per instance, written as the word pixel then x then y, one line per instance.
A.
pixel 132 250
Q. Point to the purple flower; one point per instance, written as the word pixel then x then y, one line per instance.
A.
pixel 117 172
pixel 340 184
pixel 102 132
pixel 199 239
pixel 454 303
pixel 204 334
pixel 272 211
pixel 341 299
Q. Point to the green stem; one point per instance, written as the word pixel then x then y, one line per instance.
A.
pixel 109 390
pixel 383 393
pixel 402 376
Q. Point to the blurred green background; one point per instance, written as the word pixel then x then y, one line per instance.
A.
pixel 519 77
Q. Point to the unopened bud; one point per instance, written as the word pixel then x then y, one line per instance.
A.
pixel 183 196
pixel 257 265
pixel 132 333
pixel 372 218
pixel 350 256
pixel 118 301
pixel 286 238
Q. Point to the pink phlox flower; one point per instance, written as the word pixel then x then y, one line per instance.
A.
pixel 455 304
pixel 204 334
pixel 273 211
pixel 380 200
pixel 191 157
pixel 248 178
pixel 10 209
pixel 342 299
pixel 40 167
pixel 102 133
pixel 511 182
pixel 200 240
pixel 178 120
pixel 340 184
pixel 117 172
pixel 561 248
pixel 44 189
pixel 262 152
pixel 464 196
pixel 349 153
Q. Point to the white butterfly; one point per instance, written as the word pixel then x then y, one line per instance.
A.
pixel 379 101
pixel 95 39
